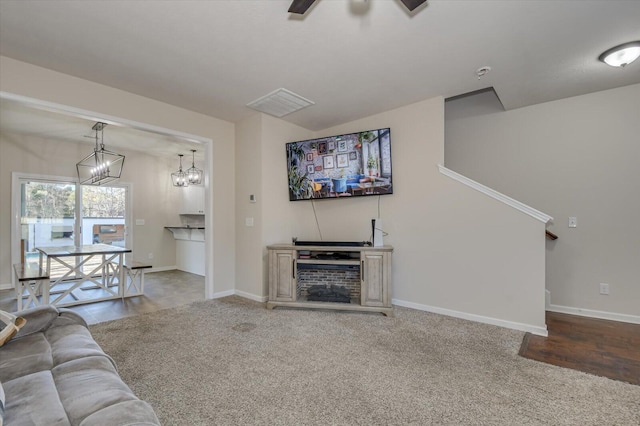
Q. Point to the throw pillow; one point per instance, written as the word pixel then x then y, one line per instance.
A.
pixel 10 325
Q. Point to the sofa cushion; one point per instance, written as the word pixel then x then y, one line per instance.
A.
pixel 68 317
pixel 88 385
pixel 38 319
pixel 55 374
pixel 71 342
pixel 43 351
pixel 24 356
pixel 130 413
pixel 33 400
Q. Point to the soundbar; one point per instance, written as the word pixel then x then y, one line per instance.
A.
pixel 332 243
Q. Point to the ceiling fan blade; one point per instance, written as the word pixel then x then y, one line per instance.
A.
pixel 411 4
pixel 300 6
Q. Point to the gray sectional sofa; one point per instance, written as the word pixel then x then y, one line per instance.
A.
pixel 53 373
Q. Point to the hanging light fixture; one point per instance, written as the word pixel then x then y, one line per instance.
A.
pixel 194 175
pixel 101 166
pixel 622 55
pixel 180 178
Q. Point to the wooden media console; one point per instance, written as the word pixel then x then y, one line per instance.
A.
pixel 298 273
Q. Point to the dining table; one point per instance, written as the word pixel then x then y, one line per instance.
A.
pixel 83 274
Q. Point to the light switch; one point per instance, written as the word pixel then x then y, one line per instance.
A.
pixel 573 222
pixel 139 221
pixel 248 221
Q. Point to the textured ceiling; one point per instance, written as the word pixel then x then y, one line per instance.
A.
pixel 352 58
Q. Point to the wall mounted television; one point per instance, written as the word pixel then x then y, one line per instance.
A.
pixel 352 165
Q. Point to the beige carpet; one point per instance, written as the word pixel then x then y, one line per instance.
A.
pixel 232 362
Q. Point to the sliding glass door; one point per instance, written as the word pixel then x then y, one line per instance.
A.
pixel 47 216
pixel 103 215
pixel 103 218
pixel 56 212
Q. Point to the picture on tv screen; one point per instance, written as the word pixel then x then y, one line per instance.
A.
pixel 351 165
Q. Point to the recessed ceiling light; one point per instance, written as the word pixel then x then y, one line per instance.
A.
pixel 622 55
pixel 280 103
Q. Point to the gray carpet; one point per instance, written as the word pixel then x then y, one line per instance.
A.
pixel 232 362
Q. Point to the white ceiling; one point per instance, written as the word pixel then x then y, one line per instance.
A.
pixel 352 58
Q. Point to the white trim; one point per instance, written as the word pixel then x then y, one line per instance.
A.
pixel 633 319
pixel 128 211
pixel 496 195
pixel 540 331
pixel 94 116
pixel 16 179
pixel 8 286
pixel 547 299
pixel 250 296
pixel 160 269
pixel 220 294
pixel 209 252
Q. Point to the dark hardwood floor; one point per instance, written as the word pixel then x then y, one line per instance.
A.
pixel 601 347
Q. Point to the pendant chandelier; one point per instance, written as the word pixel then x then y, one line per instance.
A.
pixel 194 175
pixel 101 166
pixel 180 178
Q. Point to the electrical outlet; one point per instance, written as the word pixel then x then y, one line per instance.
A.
pixel 604 288
pixel 150 255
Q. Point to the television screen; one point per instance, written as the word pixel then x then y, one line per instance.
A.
pixel 351 165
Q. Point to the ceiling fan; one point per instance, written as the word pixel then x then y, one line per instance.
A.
pixel 301 6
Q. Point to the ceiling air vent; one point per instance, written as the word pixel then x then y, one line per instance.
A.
pixel 280 103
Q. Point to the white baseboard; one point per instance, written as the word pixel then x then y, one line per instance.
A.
pixel 161 269
pixel 251 296
pixel 634 319
pixel 220 294
pixel 240 293
pixel 540 331
pixel 6 286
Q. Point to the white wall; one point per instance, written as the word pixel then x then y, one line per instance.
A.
pixel 261 169
pixel 280 214
pixel 154 199
pixel 39 83
pixel 573 157
pixel 457 251
pixel 248 175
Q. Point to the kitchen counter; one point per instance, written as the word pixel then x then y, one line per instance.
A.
pixel 184 227
pixel 189 233
pixel 189 248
